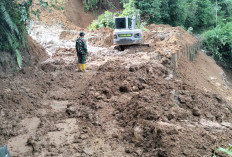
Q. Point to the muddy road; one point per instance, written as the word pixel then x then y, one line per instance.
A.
pixel 128 103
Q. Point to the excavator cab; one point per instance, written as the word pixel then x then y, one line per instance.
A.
pixel 126 33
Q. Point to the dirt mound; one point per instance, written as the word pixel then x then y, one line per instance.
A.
pixel 67 35
pixel 8 63
pixel 31 100
pixel 102 38
pixel 167 40
pixel 151 113
pixel 205 74
pixel 36 52
pixel 32 55
pixel 74 12
pixel 54 15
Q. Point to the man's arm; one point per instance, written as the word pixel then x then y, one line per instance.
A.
pixel 85 47
pixel 77 46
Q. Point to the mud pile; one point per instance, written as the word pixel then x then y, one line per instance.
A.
pixel 36 52
pixel 154 115
pixel 74 12
pixel 167 40
pixel 33 54
pixel 104 38
pixel 32 102
pixel 53 15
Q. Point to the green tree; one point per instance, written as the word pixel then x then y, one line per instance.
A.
pixel 177 12
pixel 205 14
pixel 218 43
pixel 164 11
pixel 191 20
pixel 224 10
pixel 12 29
pixel 150 10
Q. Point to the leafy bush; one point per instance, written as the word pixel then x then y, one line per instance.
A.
pixel 107 19
pixel 12 29
pixel 91 5
pixel 150 10
pixel 104 20
pixel 218 43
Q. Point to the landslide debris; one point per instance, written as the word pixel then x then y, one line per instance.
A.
pixel 152 115
pixel 126 104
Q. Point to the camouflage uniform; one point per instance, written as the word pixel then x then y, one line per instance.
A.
pixel 81 49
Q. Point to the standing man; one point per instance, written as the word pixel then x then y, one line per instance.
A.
pixel 82 52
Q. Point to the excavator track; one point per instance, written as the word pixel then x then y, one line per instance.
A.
pixel 123 47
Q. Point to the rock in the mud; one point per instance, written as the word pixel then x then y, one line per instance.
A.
pixel 172 131
pixel 142 80
pixel 181 99
pixel 196 112
pixel 164 60
pixel 88 151
pixel 141 86
pixel 218 98
pixel 138 133
pixel 139 151
pixel 114 135
pixel 77 139
pixel 83 137
pixel 128 150
pixel 107 93
pixel 48 67
pixel 70 110
pixel 85 130
pixel 31 142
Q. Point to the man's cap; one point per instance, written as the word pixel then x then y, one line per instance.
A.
pixel 82 34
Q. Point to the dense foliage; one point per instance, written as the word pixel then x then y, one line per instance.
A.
pixel 14 15
pixel 218 42
pixel 94 5
pixel 107 19
pixel 198 14
pixel 12 28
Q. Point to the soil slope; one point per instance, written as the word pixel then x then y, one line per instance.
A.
pixel 75 13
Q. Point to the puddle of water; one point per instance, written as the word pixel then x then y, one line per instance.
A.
pixel 60 106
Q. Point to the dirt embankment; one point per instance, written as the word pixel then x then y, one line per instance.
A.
pixel 166 40
pixel 74 12
pixel 32 55
pixel 73 16
pixel 206 75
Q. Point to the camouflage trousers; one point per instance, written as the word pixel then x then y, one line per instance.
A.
pixel 82 59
